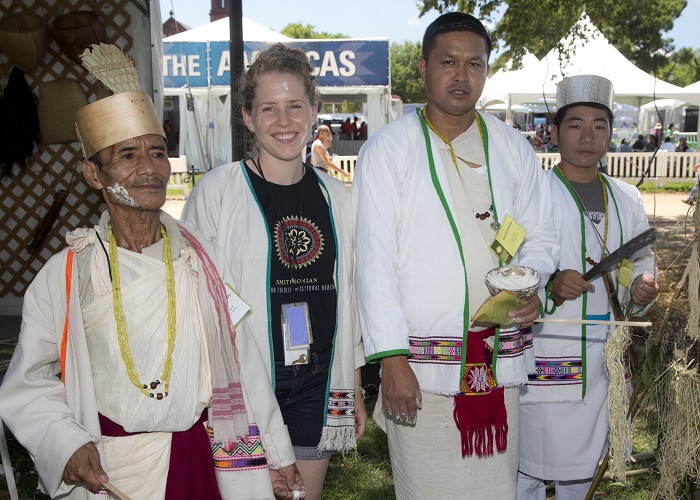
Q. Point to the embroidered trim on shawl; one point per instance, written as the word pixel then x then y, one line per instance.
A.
pixel 435 350
pixel 557 371
pixel 247 453
pixel 513 344
pixel 341 403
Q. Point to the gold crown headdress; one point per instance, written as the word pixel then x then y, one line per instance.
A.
pixel 127 114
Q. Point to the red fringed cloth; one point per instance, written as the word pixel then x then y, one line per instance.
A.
pixel 191 470
pixel 479 410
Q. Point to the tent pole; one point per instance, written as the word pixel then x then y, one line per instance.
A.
pixel 236 30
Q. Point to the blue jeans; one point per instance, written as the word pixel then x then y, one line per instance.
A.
pixel 301 392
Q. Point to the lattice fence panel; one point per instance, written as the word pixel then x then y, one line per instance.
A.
pixel 27 195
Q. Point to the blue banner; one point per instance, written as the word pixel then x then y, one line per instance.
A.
pixel 183 60
pixel 335 62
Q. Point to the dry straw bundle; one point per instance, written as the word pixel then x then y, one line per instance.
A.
pixel 618 400
pixel 677 397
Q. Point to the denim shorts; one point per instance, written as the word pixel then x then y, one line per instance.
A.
pixel 301 395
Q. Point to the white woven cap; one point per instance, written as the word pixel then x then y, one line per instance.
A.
pixel 585 88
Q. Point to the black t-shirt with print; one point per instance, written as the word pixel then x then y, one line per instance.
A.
pixel 591 196
pixel 308 274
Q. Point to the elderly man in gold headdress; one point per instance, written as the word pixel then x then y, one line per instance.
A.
pixel 129 373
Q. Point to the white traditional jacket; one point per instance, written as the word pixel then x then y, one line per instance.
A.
pixel 52 420
pixel 409 277
pixel 564 416
pixel 223 207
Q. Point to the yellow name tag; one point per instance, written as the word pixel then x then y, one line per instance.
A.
pixel 624 272
pixel 508 239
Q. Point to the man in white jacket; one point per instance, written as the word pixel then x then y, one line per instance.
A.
pixel 564 416
pixel 430 191
pixel 127 347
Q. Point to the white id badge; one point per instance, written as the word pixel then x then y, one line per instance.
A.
pixel 296 330
pixel 238 309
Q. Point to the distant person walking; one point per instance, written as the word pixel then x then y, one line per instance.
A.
pixel 320 158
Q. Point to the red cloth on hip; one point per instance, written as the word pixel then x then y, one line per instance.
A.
pixel 480 410
pixel 191 471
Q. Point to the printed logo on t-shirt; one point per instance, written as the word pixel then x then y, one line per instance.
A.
pixel 303 241
pixel 595 217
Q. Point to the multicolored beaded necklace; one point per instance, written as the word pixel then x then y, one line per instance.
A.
pixel 123 336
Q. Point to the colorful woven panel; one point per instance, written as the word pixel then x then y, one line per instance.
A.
pixel 440 350
pixel 513 344
pixel 341 403
pixel 247 454
pixel 557 371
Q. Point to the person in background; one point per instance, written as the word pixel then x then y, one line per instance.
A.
pixel 564 406
pixel 693 195
pixel 653 143
pixel 668 145
pixel 287 231
pixel 129 368
pixel 319 152
pixel 625 147
pixel 683 145
pixel 347 130
pixel 362 132
pixel 430 192
pixel 171 138
pixel 640 144
pixel 671 131
pixel 356 126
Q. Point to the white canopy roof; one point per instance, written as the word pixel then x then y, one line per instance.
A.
pixel 595 55
pixel 219 31
pixel 663 104
pixel 692 93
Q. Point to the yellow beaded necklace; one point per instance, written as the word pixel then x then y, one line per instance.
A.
pixel 123 337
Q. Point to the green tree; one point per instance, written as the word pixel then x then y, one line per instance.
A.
pixel 683 67
pixel 299 30
pixel 635 28
pixel 405 78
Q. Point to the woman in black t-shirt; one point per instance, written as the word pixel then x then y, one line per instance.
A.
pixel 287 229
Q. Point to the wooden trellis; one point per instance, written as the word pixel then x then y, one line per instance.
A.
pixel 26 197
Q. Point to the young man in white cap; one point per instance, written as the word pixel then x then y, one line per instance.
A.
pixel 127 347
pixel 564 410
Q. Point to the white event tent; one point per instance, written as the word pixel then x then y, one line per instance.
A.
pixel 212 104
pixel 354 70
pixel 594 55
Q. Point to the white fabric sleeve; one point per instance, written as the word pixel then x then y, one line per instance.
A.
pixel 376 207
pixel 533 210
pixel 202 209
pixel 262 406
pixel 32 397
